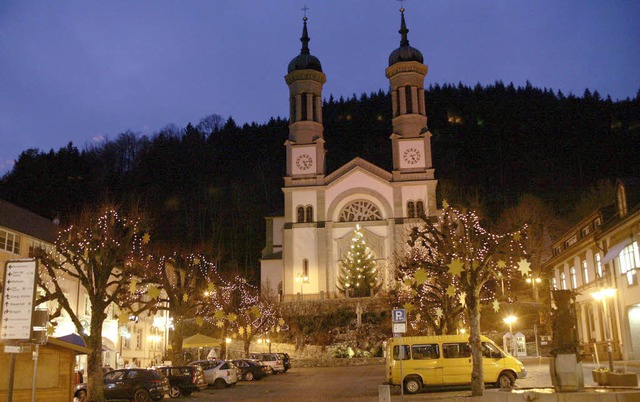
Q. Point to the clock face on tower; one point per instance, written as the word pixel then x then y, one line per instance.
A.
pixel 411 156
pixel 304 162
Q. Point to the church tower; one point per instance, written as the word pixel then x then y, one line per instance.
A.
pixel 411 139
pixel 305 145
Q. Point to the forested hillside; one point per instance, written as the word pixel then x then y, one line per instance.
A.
pixel 210 185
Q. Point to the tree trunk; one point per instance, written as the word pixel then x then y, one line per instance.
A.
pixel 477 373
pixel 176 343
pixel 95 391
pixel 247 345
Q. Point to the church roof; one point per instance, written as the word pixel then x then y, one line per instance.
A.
pixel 358 163
pixel 404 52
pixel 305 60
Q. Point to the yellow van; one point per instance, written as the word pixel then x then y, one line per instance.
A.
pixel 446 360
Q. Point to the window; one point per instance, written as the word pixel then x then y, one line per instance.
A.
pixel 305 268
pixel 425 352
pixel 401 352
pixel 407 93
pixel 574 279
pixel 585 272
pixel 571 241
pixel 456 350
pixel 127 338
pixel 598 266
pixel 360 211
pixel 138 338
pixel 10 242
pixel 419 209
pixel 554 283
pixel 585 231
pixel 36 245
pixel 300 214
pixel 309 215
pixel 557 250
pixel 597 222
pixel 303 107
pixel 490 351
pixel 411 209
pixel 629 262
pixel 563 280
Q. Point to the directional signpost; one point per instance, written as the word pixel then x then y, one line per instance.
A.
pixel 17 310
pixel 17 299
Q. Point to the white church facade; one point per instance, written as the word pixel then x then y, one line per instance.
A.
pixel 304 247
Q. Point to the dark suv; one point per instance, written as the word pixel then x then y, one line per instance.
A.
pixel 133 384
pixel 183 380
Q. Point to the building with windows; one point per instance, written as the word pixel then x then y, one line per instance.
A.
pixel 601 252
pixel 304 247
pixel 21 233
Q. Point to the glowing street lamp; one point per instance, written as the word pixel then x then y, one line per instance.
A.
pixel 602 295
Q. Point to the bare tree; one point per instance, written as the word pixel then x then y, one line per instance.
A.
pixel 102 250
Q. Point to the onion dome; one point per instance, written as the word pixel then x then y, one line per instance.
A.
pixel 404 52
pixel 305 61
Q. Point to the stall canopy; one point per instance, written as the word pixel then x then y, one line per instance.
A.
pixel 200 341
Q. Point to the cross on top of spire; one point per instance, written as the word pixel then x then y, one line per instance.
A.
pixel 304 12
pixel 401 5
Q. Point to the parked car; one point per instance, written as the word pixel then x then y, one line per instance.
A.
pixel 250 369
pixel 271 359
pixel 219 373
pixel 286 361
pixel 134 384
pixel 183 380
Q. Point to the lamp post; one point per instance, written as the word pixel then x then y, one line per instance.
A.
pixel 302 279
pixel 602 295
pixel 226 350
pixel 509 321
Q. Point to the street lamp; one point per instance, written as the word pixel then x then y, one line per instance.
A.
pixel 226 350
pixel 302 279
pixel 603 294
pixel 509 321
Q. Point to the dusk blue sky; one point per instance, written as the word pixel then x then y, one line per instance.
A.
pixel 83 71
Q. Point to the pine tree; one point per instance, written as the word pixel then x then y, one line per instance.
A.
pixel 358 268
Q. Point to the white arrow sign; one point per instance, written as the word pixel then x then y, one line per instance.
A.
pixel 18 299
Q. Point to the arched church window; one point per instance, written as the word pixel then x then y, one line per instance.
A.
pixel 292 109
pixel 408 97
pixel 300 214
pixel 411 209
pixel 303 107
pixel 305 268
pixel 309 216
pixel 360 211
pixel 419 209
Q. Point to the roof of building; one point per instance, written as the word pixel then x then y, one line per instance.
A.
pixel 20 220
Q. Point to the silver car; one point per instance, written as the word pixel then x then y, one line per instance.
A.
pixel 219 373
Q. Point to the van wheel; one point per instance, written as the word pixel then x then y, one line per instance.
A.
pixel 506 380
pixel 412 385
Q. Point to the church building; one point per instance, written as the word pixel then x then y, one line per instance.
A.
pixel 301 258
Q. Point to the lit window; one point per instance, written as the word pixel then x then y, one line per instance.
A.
pixel 585 272
pixel 629 262
pixel 598 266
pixel 563 280
pixel 574 279
pixel 360 211
pixel 139 338
pixel 554 283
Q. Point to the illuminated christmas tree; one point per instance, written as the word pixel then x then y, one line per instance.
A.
pixel 358 269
